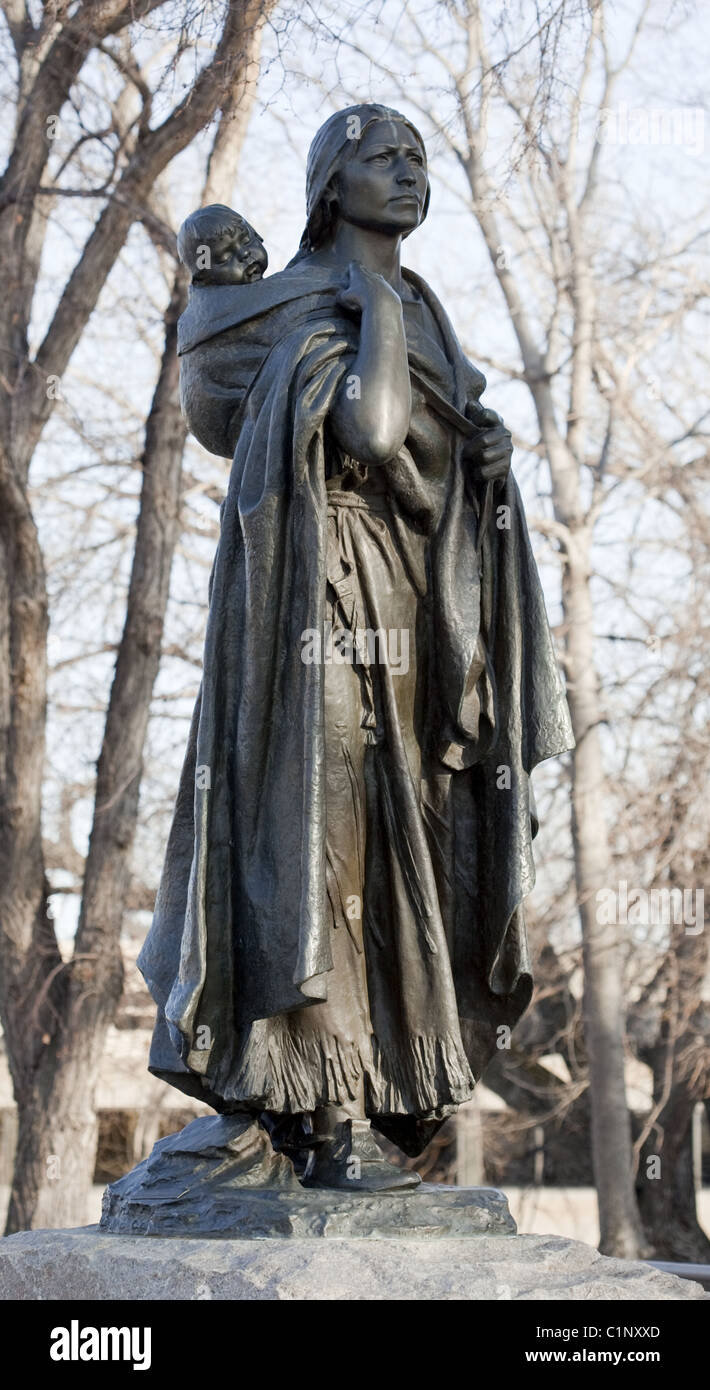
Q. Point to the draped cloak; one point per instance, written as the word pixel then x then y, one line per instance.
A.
pixel 241 926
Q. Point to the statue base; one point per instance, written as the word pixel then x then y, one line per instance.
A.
pixel 219 1177
pixel 431 1210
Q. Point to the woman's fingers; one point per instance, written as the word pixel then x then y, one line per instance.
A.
pixel 497 446
pixel 496 436
pixel 489 471
pixel 490 445
pixel 346 299
pixel 482 416
pixel 350 301
pixel 493 456
pixel 493 462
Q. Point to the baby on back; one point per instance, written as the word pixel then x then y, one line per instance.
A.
pixel 218 247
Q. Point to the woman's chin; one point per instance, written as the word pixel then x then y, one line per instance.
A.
pixel 399 223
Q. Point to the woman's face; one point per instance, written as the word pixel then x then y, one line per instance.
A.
pixel 383 186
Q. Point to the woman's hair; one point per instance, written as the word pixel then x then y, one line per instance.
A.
pixel 333 145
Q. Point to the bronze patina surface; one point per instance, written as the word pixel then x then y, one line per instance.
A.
pixel 338 939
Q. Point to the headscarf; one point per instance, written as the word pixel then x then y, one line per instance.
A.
pixel 337 141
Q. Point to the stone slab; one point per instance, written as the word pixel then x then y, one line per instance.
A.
pixel 87 1264
pixel 431 1210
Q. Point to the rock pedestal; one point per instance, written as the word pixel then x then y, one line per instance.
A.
pixel 88 1264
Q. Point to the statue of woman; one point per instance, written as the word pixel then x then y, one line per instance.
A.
pixel 338 943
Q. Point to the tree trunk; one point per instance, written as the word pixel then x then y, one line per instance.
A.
pixel 468 1124
pixel 604 1003
pixel 604 1011
pixel 62 1102
pixel 56 1146
pixel 678 1056
pixel 667 1198
pixel 56 1014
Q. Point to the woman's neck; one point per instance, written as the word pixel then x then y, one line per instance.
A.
pixel 377 251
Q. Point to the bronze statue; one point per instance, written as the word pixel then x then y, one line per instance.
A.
pixel 338 943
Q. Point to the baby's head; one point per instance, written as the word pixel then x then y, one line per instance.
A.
pixel 220 248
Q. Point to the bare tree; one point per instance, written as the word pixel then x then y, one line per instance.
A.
pixel 55 1013
pixel 516 105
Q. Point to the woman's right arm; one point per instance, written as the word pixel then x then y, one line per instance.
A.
pixel 370 413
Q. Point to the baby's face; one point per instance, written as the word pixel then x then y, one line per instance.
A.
pixel 237 257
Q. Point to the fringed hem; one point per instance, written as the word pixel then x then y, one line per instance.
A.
pixel 423 1074
pixel 292 1072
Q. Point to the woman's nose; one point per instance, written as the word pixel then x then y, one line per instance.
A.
pixel 405 173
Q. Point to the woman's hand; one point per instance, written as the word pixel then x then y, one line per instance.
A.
pixel 364 289
pixel 489 452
